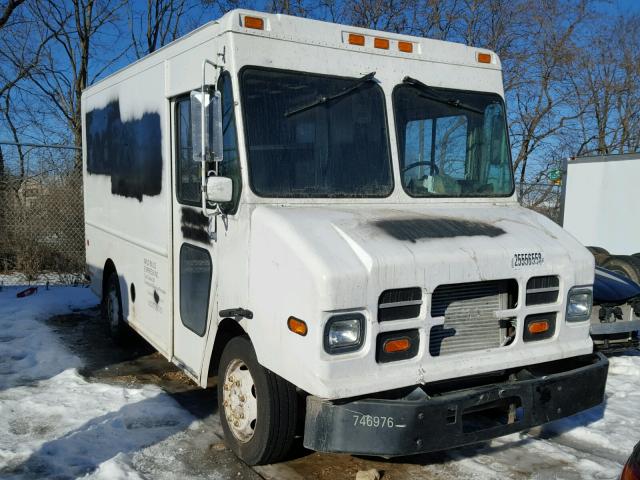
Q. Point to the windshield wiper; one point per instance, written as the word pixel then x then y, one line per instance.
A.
pixel 432 94
pixel 326 99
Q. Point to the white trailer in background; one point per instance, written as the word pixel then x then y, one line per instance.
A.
pixel 324 218
pixel 600 206
pixel 601 199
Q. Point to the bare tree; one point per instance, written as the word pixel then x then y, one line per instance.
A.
pixel 538 73
pixel 71 63
pixel 7 113
pixel 160 22
pixel 21 44
pixel 8 10
pixel 299 8
pixel 607 88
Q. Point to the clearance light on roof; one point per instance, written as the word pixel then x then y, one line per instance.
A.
pixel 381 43
pixel 484 57
pixel 360 40
pixel 254 22
pixel 355 39
pixel 406 47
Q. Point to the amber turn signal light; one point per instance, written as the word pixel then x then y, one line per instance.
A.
pixel 538 327
pixel 397 345
pixel 254 22
pixel 406 47
pixel 484 57
pixel 381 43
pixel 355 39
pixel 297 326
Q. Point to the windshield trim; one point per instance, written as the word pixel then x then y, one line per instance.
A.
pixel 454 90
pixel 392 186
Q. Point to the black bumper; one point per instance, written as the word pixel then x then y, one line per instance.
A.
pixel 409 425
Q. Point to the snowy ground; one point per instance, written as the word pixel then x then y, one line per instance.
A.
pixel 53 278
pixel 72 405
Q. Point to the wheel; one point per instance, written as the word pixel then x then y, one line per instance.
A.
pixel 112 313
pixel 258 409
pixel 600 254
pixel 624 265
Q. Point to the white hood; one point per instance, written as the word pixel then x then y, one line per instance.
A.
pixel 404 247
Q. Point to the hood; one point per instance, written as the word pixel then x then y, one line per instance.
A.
pixel 613 289
pixel 353 250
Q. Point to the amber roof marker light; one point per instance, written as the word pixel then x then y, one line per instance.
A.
pixel 382 43
pixel 256 23
pixel 484 57
pixel 405 47
pixel 356 39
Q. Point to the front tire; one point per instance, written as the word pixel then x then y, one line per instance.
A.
pixel 258 409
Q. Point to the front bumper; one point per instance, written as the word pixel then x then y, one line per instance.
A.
pixel 429 419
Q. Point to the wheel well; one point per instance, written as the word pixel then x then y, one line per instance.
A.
pixel 109 268
pixel 227 329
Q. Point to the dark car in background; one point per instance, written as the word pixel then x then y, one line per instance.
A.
pixel 615 317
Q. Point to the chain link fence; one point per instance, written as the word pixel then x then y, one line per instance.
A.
pixel 41 216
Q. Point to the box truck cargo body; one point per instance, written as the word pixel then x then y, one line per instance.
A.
pixel 323 217
pixel 599 203
pixel 599 198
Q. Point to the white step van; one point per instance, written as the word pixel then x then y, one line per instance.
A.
pixel 323 217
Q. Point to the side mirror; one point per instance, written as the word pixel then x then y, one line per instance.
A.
pixel 219 189
pixel 206 125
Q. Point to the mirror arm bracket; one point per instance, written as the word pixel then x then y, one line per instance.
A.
pixel 203 147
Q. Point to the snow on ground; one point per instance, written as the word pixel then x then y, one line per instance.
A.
pixel 52 278
pixel 54 423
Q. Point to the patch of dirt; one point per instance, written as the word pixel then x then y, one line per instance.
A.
pixel 136 362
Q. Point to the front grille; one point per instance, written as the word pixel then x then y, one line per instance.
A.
pixel 470 322
pixel 541 290
pixel 399 303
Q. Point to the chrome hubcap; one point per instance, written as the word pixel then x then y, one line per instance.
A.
pixel 239 400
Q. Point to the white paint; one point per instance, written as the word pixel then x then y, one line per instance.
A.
pixel 309 257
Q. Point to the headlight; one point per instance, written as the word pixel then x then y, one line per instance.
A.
pixel 579 304
pixel 344 333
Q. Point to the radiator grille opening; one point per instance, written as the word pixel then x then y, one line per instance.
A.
pixel 469 311
pixel 542 290
pixel 399 303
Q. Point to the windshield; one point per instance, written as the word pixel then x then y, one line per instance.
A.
pixel 314 135
pixel 451 143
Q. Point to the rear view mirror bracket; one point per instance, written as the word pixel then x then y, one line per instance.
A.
pixel 206 133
